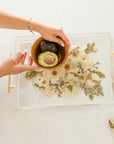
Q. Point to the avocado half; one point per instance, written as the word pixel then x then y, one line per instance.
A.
pixel 49 46
pixel 47 59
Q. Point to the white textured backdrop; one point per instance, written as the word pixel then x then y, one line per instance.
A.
pixel 69 125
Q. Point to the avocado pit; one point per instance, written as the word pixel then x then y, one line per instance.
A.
pixel 49 59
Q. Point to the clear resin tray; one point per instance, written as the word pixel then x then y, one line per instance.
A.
pixel 29 98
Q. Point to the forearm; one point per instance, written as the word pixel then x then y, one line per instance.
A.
pixel 11 21
pixel 49 32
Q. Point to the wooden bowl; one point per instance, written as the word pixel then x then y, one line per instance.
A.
pixel 62 54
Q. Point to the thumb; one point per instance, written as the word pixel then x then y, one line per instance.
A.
pixel 30 68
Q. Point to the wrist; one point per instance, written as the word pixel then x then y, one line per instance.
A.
pixel 36 26
pixel 1 71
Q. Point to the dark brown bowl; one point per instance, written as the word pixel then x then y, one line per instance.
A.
pixel 62 54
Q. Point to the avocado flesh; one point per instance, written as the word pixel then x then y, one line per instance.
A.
pixel 49 63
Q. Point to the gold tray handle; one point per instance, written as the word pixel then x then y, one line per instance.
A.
pixel 112 53
pixel 9 81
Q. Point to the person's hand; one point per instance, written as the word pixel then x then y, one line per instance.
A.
pixel 15 64
pixel 52 33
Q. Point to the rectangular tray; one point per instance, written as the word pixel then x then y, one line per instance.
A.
pixel 29 98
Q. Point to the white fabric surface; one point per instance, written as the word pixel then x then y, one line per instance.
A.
pixel 69 125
